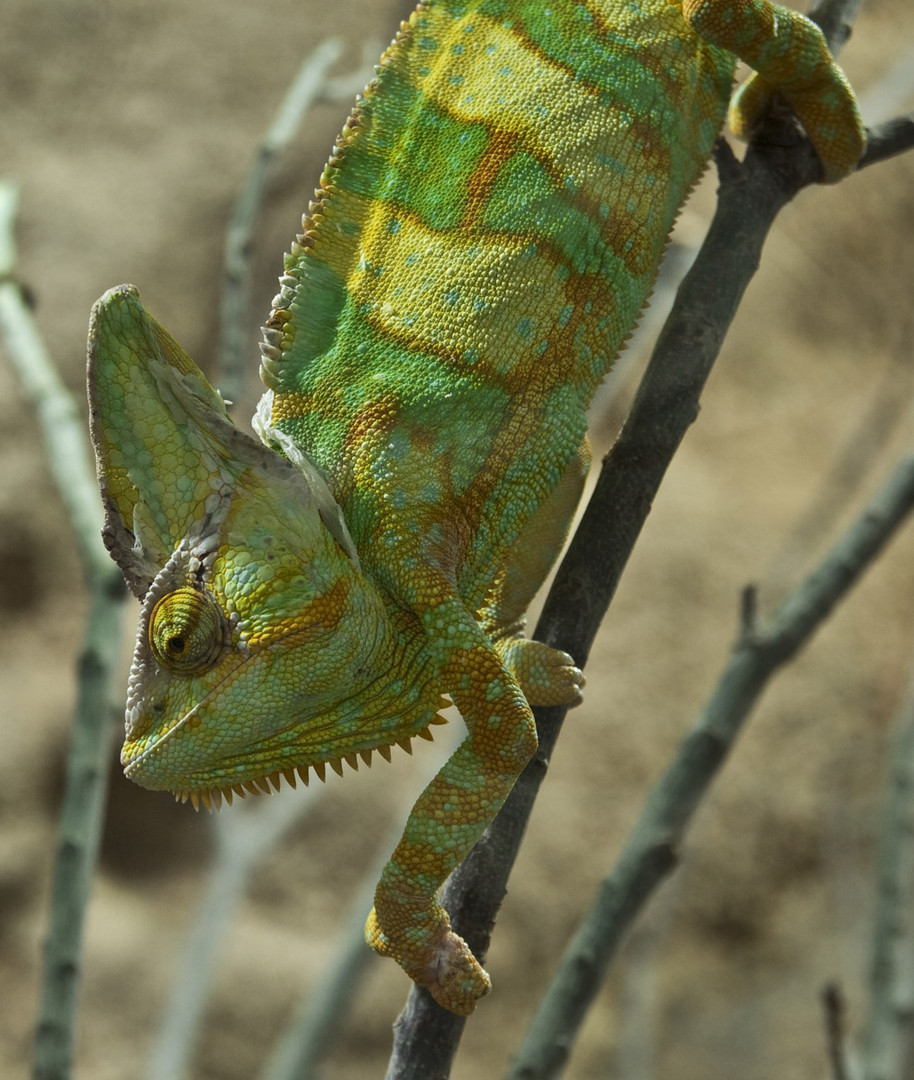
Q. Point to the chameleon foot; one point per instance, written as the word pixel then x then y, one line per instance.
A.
pixel 445 966
pixel 547 676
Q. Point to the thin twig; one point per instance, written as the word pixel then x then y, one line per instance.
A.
pixel 309 85
pixel 86 780
pixel 849 470
pixel 651 851
pixel 836 18
pixel 890 1025
pixel 835 1009
pixel 887 140
pixel 245 835
pixel 61 422
pixel 311 1031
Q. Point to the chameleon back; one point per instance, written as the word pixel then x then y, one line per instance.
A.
pixel 483 239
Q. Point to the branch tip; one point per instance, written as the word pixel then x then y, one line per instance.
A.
pixel 748 613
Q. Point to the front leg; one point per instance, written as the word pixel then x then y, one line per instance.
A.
pixel 407 922
pixel 547 676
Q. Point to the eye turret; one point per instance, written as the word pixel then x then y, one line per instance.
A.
pixel 186 631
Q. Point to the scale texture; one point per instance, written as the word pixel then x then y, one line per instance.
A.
pixel 481 244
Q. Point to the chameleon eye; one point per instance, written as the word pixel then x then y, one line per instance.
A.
pixel 186 631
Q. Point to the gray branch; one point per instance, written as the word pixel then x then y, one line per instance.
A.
pixel 651 851
pixel 888 1042
pixel 309 85
pixel 86 781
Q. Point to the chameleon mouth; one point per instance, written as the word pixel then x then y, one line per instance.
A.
pixel 213 798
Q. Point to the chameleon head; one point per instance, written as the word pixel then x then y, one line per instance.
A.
pixel 253 601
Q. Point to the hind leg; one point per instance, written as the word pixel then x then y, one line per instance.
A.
pixel 790 56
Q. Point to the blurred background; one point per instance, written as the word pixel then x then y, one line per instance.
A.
pixel 129 128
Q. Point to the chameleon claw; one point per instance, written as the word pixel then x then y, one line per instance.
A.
pixel 445 967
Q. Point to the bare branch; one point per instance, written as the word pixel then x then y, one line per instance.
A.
pixel 61 423
pixel 309 85
pixel 887 1041
pixel 245 834
pixel 835 1010
pixel 888 139
pixel 750 197
pixel 836 18
pixel 86 782
pixel 651 851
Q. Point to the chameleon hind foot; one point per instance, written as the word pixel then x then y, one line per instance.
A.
pixel 437 959
pixel 790 56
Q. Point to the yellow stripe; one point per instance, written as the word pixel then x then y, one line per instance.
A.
pixel 449 293
pixel 500 80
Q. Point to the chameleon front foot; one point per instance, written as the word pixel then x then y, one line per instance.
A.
pixel 437 959
pixel 547 676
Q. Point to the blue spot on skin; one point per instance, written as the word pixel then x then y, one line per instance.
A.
pixel 393 227
pixel 565 315
pixel 524 328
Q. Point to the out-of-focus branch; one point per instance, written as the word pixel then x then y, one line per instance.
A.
pixel 651 851
pixel 85 786
pixel 63 431
pixel 244 836
pixel 888 1042
pixel 834 1008
pixel 309 86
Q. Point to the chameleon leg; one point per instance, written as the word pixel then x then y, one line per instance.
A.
pixel 790 56
pixel 547 676
pixel 407 922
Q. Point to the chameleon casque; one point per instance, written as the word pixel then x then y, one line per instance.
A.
pixel 482 241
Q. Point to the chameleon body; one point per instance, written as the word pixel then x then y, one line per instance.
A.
pixel 481 243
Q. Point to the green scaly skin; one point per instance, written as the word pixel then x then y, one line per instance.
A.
pixel 481 243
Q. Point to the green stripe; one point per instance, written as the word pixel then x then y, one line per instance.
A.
pixel 414 154
pixel 366 365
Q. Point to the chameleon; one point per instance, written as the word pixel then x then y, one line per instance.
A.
pixel 482 241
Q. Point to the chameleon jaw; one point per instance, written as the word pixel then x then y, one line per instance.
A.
pixel 212 798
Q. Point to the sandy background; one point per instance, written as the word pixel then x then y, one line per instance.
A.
pixel 129 127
